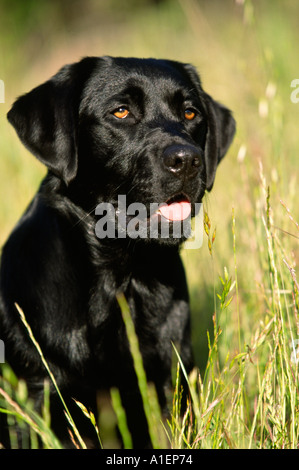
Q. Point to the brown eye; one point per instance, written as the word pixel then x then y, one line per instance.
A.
pixel 121 113
pixel 189 114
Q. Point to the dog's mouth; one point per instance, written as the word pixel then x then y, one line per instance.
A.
pixel 177 208
pixel 171 219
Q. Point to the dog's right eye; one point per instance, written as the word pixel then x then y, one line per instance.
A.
pixel 121 113
pixel 190 114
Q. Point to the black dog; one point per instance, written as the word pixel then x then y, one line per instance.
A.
pixel 105 127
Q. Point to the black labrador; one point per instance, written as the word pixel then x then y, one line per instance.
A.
pixel 104 127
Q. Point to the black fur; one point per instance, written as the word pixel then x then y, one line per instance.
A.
pixel 63 277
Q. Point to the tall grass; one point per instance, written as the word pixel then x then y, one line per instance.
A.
pixel 249 399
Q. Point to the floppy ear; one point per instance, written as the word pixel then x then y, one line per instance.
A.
pixel 221 128
pixel 46 122
pixel 220 133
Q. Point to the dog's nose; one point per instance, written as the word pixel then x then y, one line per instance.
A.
pixel 182 160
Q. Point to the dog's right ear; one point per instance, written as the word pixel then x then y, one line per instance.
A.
pixel 46 118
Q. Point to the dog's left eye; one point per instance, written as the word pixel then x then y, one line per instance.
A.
pixel 189 114
pixel 121 113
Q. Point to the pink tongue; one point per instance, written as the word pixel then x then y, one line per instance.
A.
pixel 176 211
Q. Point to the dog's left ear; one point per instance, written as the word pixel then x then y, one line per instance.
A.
pixel 46 120
pixel 221 128
pixel 220 133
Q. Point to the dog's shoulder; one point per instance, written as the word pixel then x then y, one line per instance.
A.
pixel 46 252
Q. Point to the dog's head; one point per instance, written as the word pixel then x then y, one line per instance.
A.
pixel 143 128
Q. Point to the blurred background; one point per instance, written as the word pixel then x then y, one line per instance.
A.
pixel 246 53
